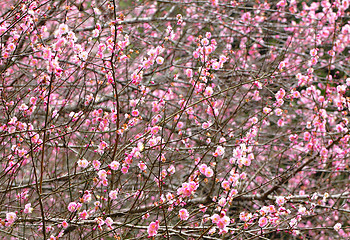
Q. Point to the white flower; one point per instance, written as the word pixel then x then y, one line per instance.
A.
pixel 337 227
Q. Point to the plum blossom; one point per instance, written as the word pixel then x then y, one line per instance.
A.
pixel 206 125
pixel 11 217
pixel 83 163
pixel 205 41
pixel 221 220
pixel 113 194
pixel 109 221
pixel 135 113
pixel 189 73
pixel 84 214
pixel 244 216
pixel 114 165
pixel 225 185
pixel 142 166
pixel 281 66
pixel 187 189
pixel 313 52
pixel 183 214
pixel 337 227
pixel 222 202
pixel 102 146
pixel 23 107
pixel 65 224
pixel 280 94
pixel 263 222
pixel 99 221
pixel 160 60
pixel 125 169
pixel 219 151
pixel 96 164
pixel 202 168
pixel 293 222
pixel 28 208
pixel 153 228
pixel 209 172
pixel 102 174
pixel 208 91
pixel 216 65
pixel 280 200
pixel 73 206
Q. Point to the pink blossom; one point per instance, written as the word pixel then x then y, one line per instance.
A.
pixel 245 161
pixel 262 222
pixel 221 221
pixel 202 168
pixel 23 107
pixel 124 169
pixel 114 165
pixel 205 41
pixel 72 207
pixel 28 208
pixel 154 141
pixel 135 113
pixel 99 221
pixel 215 218
pixel 219 151
pixel 280 94
pixel 102 146
pixel 187 189
pixel 109 221
pixel 155 129
pixel 160 60
pixel 83 55
pixel 209 172
pixel 183 214
pixel 142 166
pixel 208 91
pixel 222 202
pixel 209 49
pixel 280 200
pixel 83 163
pixel 11 217
pixel 314 60
pixel 278 112
pixel 84 214
pixel 102 174
pixel 281 66
pixel 206 125
pixel 313 52
pixel 189 73
pixel 223 58
pixel 244 216
pixel 280 122
pixel 171 169
pixel 64 224
pixel 96 164
pixel 225 185
pixel 282 3
pixel 267 110
pixel 135 78
pixel 62 29
pixel 337 227
pixel 214 2
pixel 196 55
pixel 216 65
pixel 293 222
pixel 153 228
pixel 113 194
pixel 271 209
